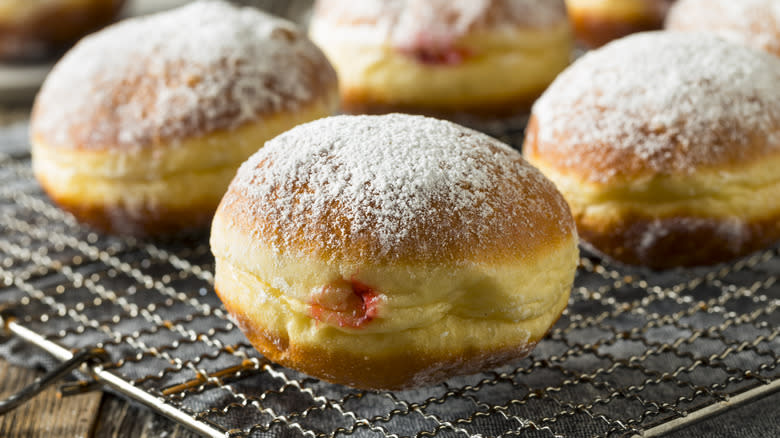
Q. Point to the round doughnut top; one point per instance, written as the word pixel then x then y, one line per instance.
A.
pixel 659 103
pixel 204 67
pixel 408 24
pixel 752 22
pixel 395 188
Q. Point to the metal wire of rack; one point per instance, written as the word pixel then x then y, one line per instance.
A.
pixel 635 353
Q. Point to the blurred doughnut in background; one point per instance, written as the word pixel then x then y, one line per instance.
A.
pixel 35 30
pixel 35 33
pixel 453 59
pixel 755 23
pixel 597 22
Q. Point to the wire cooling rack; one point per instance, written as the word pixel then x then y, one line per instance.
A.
pixel 635 353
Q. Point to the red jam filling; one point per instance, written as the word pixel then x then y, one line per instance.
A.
pixel 438 55
pixel 345 303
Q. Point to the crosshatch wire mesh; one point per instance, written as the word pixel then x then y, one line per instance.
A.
pixel 635 351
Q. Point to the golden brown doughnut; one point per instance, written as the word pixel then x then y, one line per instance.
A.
pixel 443 57
pixel 392 251
pixel 666 146
pixel 752 22
pixel 35 29
pixel 597 22
pixel 139 129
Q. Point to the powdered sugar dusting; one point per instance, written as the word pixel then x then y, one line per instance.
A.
pixel 753 22
pixel 193 70
pixel 410 24
pixel 661 102
pixel 395 186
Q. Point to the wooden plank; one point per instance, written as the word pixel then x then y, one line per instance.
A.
pixel 120 419
pixel 45 416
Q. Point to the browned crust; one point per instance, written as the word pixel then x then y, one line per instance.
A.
pixel 679 240
pixel 517 232
pixel 393 370
pixel 53 28
pixel 595 30
pixel 600 161
pixel 357 102
pixel 317 74
pixel 79 138
pixel 147 221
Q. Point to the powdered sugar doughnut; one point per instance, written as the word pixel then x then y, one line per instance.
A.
pixel 752 22
pixel 140 128
pixel 392 251
pixel 666 146
pixel 443 57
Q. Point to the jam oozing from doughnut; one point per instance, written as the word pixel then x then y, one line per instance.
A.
pixel 438 55
pixel 345 303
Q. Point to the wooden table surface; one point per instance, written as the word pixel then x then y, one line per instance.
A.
pixel 94 414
